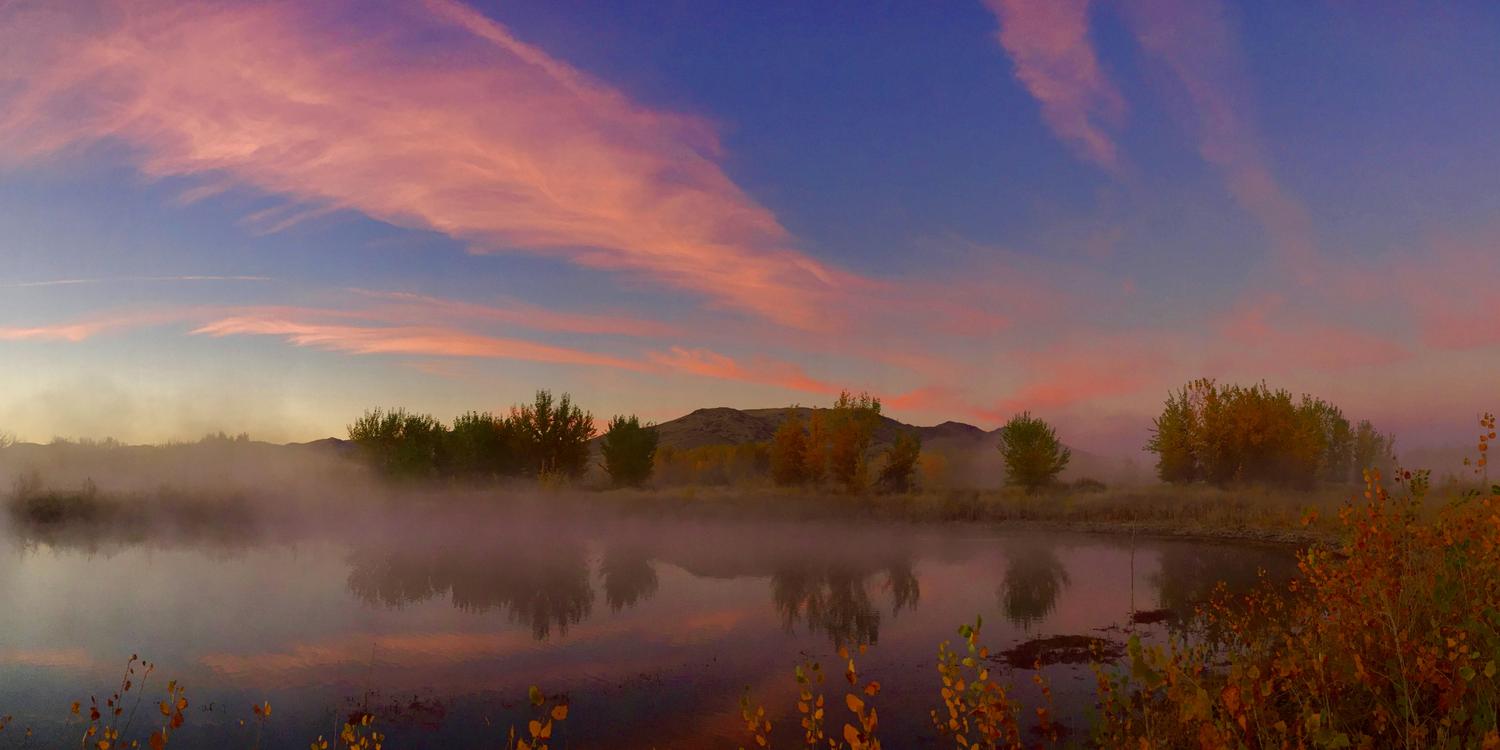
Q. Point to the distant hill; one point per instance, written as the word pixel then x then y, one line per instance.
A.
pixel 722 425
pixel 971 451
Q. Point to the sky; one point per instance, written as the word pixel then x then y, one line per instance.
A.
pixel 267 217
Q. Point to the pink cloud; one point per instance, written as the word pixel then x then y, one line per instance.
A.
pixel 492 141
pixel 1054 59
pixel 1447 285
pixel 710 364
pixel 1264 338
pixel 1085 370
pixel 87 328
pixel 411 340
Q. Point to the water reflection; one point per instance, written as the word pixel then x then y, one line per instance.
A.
pixel 699 626
pixel 542 588
pixel 834 598
pixel 628 576
pixel 1034 577
pixel 1189 573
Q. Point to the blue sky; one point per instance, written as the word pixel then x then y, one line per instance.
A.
pixel 967 208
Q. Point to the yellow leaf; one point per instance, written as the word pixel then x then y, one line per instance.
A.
pixel 851 736
pixel 559 713
pixel 855 704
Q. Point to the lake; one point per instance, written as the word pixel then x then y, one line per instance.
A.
pixel 652 629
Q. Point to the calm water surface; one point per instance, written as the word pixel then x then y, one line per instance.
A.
pixel 652 629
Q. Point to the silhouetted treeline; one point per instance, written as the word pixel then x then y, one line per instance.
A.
pixel 1223 434
pixel 546 438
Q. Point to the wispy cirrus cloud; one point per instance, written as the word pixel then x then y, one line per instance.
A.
pixel 1196 42
pixel 763 371
pixel 410 340
pixel 1055 61
pixel 92 325
pixel 407 305
pixel 493 141
pixel 1264 335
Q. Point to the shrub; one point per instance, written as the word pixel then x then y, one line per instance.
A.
pixel 737 464
pixel 1033 455
pixel 900 463
pixel 1089 484
pixel 554 435
pixel 629 451
pixel 1389 640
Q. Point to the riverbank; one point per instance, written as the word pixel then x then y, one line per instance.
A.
pixel 1252 514
pixel 1245 514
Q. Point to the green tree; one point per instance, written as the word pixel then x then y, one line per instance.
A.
pixel 1033 455
pixel 900 463
pixel 629 451
pixel 399 443
pixel 483 446
pixel 554 435
pixel 789 451
pixel 1172 441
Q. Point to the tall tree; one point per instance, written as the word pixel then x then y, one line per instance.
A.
pixel 789 451
pixel 1033 454
pixel 400 443
pixel 850 429
pixel 483 446
pixel 629 451
pixel 1371 450
pixel 1224 434
pixel 1172 441
pixel 555 435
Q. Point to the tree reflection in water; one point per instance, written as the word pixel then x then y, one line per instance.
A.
pixel 628 576
pixel 1034 577
pixel 834 598
pixel 542 588
pixel 1189 573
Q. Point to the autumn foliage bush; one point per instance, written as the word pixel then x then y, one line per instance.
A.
pixel 1390 639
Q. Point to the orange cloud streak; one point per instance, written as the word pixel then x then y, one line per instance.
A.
pixel 710 364
pixel 1049 44
pixel 491 141
pixel 87 328
pixel 407 340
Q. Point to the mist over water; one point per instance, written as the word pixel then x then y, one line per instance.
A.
pixel 437 610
